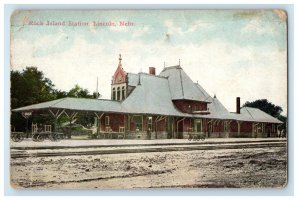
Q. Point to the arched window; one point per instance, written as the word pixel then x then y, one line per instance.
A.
pixel 118 93
pixel 114 94
pixel 123 93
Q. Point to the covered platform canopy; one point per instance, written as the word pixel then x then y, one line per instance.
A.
pixel 78 104
pixel 218 111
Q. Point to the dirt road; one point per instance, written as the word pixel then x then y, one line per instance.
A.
pixel 251 168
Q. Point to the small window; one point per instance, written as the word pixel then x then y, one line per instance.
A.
pixel 138 120
pixel 198 126
pixel 114 94
pixel 189 108
pixel 118 94
pixel 123 93
pixel 107 120
pixel 149 123
pixel 197 108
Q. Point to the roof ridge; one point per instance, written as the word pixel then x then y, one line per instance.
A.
pixel 172 67
pixel 197 84
pixel 131 73
pixel 181 84
pixel 89 99
pixel 249 112
pixel 145 73
pixel 59 101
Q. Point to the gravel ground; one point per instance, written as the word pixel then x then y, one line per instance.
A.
pixel 250 168
pixel 77 143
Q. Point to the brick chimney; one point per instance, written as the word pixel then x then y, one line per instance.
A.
pixel 152 70
pixel 238 105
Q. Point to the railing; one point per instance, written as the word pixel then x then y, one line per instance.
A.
pixel 110 134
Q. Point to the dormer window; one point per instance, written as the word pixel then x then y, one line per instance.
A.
pixel 197 108
pixel 189 108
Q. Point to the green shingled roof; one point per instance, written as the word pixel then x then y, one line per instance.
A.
pixel 154 95
pixel 79 104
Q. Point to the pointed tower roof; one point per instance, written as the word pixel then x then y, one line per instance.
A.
pixel 120 72
pixel 181 85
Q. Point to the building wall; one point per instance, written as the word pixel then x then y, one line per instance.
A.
pixel 143 135
pixel 136 135
pixel 159 125
pixel 246 127
pixel 188 106
pixel 234 126
pixel 219 135
pixel 115 121
pixel 175 127
pixel 218 126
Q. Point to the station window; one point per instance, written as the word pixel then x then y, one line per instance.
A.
pixel 150 123
pixel 138 120
pixel 197 108
pixel 198 126
pixel 118 93
pixel 114 94
pixel 189 108
pixel 123 93
pixel 107 120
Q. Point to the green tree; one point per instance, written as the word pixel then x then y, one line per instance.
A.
pixel 29 86
pixel 79 92
pixel 60 94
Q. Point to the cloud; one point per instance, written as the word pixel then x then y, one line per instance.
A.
pixel 80 64
pixel 222 68
pixel 174 29
pixel 259 26
pixel 42 46
pixel 140 32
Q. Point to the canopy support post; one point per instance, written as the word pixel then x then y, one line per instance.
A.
pixel 56 117
pixel 26 115
pixel 98 121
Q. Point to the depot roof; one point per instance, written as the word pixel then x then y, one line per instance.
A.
pixel 79 104
pixel 154 95
pixel 181 86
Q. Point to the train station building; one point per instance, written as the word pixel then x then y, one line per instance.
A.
pixel 161 106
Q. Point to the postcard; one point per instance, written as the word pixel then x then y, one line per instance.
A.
pixel 122 99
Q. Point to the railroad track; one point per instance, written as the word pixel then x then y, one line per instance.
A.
pixel 137 145
pixel 146 148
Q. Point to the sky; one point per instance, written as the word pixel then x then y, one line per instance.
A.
pixel 230 53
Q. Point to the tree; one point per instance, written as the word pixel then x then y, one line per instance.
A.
pixel 270 108
pixel 79 92
pixel 60 94
pixel 28 87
